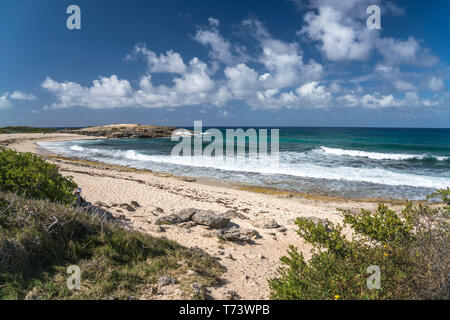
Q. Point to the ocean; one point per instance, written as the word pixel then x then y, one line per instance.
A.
pixel 344 162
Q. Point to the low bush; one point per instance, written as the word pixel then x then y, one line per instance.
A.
pixel 27 173
pixel 411 250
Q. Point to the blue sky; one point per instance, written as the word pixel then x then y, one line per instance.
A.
pixel 229 63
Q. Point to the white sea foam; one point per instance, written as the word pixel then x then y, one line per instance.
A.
pixel 378 155
pixel 291 164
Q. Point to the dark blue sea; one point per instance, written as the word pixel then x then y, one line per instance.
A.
pixel 345 162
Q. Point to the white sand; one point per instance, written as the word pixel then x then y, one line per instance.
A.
pixel 252 265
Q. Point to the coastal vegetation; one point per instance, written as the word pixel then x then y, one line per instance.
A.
pixel 42 233
pixel 28 174
pixel 23 129
pixel 410 251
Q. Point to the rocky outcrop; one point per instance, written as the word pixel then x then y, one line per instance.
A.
pixel 210 218
pixel 169 219
pixel 125 131
pixel 237 234
pixel 195 216
pixel 188 218
pixel 265 223
pixel 234 214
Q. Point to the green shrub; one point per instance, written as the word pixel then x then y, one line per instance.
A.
pixel 412 251
pixel 27 173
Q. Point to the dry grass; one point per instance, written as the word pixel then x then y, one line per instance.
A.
pixel 40 239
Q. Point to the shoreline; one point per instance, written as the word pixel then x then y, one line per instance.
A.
pixel 210 181
pixel 248 265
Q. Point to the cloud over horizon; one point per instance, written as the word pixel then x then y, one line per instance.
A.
pixel 272 73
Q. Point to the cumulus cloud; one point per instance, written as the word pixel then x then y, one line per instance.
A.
pixel 396 52
pixel 379 101
pixel 171 62
pixel 339 28
pixel 276 74
pixel 220 49
pixel 192 88
pixel 339 37
pixel 5 98
pixel 105 92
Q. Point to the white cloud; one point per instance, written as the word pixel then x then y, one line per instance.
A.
pixel 396 52
pixel 104 93
pixel 308 96
pixel 171 62
pixel 213 22
pixel 340 29
pixel 282 61
pixel 393 9
pixel 276 76
pixel 5 98
pixel 4 101
pixel 20 95
pixel 195 80
pixel 378 101
pixel 192 88
pixel 340 38
pixel 404 86
pixel 220 49
pixel 436 84
pixel 242 81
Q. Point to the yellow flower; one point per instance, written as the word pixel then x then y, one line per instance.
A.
pixel 385 254
pixel 385 245
pixel 336 297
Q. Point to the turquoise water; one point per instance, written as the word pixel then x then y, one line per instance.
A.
pixel 345 162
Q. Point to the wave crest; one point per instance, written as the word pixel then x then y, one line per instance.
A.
pixel 380 155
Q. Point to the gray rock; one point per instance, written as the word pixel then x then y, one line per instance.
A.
pixel 186 214
pixel 233 234
pixel 234 214
pixel 198 289
pixel 317 220
pixel 252 233
pixel 166 281
pixel 135 204
pixel 265 223
pixel 210 218
pixel 170 219
pixel 127 207
pixel 187 224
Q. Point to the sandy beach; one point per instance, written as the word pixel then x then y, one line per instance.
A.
pixel 249 265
